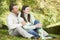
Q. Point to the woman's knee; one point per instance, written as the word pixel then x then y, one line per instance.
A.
pixel 36 22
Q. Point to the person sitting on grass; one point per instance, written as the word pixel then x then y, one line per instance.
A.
pixel 14 27
pixel 34 25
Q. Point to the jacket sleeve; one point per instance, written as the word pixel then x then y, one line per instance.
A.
pixel 32 19
pixel 29 26
pixel 10 23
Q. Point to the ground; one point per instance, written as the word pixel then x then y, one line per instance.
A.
pixel 5 36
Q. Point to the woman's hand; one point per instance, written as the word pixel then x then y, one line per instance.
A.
pixel 23 23
pixel 38 25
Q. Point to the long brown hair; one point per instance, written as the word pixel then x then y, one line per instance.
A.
pixel 22 14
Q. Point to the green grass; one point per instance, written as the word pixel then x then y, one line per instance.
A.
pixel 5 36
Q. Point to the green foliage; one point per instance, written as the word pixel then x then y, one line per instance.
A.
pixel 1 22
pixel 5 36
pixel 47 11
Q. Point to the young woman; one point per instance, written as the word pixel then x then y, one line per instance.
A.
pixel 30 24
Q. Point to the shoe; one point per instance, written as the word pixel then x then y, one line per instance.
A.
pixel 49 37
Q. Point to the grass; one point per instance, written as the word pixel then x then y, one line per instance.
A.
pixel 5 36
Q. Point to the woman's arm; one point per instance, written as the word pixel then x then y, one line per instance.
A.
pixel 32 19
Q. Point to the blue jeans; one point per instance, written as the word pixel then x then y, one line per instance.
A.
pixel 36 22
pixel 34 32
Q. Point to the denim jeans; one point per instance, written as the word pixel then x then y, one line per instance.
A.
pixel 34 32
pixel 36 22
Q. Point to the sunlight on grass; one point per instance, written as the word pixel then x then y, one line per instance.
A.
pixel 5 36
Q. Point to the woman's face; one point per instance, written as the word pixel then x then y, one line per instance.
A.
pixel 27 10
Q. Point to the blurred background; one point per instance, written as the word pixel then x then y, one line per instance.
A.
pixel 46 11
